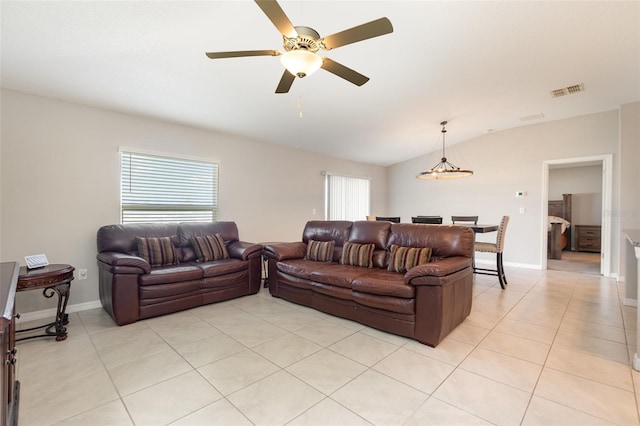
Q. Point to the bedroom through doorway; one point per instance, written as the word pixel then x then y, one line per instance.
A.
pixel 578 228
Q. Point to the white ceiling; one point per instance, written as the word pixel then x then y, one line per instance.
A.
pixel 483 66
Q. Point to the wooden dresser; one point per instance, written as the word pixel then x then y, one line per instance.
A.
pixel 588 238
pixel 9 272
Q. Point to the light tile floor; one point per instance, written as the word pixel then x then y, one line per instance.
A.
pixel 551 349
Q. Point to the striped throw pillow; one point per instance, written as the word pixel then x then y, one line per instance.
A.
pixel 357 254
pixel 404 258
pixel 209 247
pixel 158 251
pixel 320 251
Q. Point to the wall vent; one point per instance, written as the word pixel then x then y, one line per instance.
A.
pixel 569 90
pixel 532 117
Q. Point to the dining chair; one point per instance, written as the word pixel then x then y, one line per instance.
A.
pixel 464 219
pixel 496 248
pixel 434 220
pixel 394 219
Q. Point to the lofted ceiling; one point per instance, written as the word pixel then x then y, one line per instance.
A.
pixel 483 66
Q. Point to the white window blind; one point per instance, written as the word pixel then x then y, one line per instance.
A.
pixel 164 189
pixel 347 198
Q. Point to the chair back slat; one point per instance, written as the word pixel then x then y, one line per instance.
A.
pixel 473 219
pixel 433 220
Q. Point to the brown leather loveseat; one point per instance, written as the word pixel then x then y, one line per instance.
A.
pixel 146 270
pixel 374 273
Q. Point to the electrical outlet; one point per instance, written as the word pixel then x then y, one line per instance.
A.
pixel 523 210
pixel 82 274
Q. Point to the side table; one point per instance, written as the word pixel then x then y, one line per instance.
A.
pixel 265 264
pixel 53 279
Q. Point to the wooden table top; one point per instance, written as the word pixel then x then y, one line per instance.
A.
pixel 44 277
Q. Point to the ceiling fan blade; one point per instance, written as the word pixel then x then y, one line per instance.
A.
pixel 371 29
pixel 344 72
pixel 218 55
pixel 285 82
pixel 274 12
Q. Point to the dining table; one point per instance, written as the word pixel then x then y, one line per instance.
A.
pixel 482 229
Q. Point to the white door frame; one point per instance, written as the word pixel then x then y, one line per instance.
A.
pixel 606 161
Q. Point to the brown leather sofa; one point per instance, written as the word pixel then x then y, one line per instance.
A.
pixel 425 303
pixel 131 289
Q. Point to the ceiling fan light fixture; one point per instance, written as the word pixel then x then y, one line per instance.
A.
pixel 444 169
pixel 301 62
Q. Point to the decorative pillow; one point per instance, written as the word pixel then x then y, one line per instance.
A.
pixel 357 254
pixel 320 251
pixel 158 251
pixel 209 247
pixel 404 258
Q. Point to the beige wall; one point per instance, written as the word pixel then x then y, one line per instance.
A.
pixel 505 162
pixel 628 212
pixel 60 182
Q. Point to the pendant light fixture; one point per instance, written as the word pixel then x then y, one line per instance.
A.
pixel 444 169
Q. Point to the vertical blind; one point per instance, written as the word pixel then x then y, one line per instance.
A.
pixel 164 189
pixel 347 198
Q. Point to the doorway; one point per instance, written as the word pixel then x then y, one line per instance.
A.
pixel 577 258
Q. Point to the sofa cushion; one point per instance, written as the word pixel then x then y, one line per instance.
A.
pixel 404 258
pixel 158 251
pixel 209 247
pixel 320 251
pixel 383 283
pixel 387 303
pixel 336 274
pixel 222 267
pixel 171 274
pixel 367 232
pixel 357 254
pixel 300 268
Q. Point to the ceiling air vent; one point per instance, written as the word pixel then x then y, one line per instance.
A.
pixel 569 90
pixel 531 117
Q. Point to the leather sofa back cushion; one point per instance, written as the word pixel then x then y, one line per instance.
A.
pixel 357 254
pixel 122 238
pixel 209 247
pixel 158 251
pixel 327 230
pixel 445 240
pixel 367 232
pixel 404 258
pixel 188 230
pixel 320 251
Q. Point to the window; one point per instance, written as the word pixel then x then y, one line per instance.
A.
pixel 347 198
pixel 164 189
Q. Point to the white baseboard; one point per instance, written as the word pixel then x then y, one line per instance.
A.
pixel 630 302
pixel 51 313
pixel 508 264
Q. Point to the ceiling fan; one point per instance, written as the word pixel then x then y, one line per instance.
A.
pixel 301 45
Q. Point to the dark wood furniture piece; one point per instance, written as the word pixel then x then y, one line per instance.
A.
pixel 588 238
pixel 482 229
pixel 433 220
pixel 556 240
pixel 393 219
pixel 8 383
pixel 52 279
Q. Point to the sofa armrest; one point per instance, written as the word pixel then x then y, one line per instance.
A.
pixel 439 268
pixel 244 250
pixel 284 251
pixel 116 259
